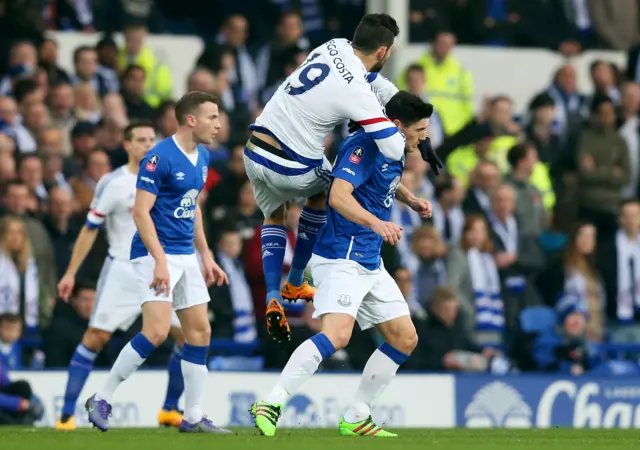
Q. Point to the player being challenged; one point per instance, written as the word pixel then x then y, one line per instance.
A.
pixel 352 282
pixel 168 275
pixel 284 157
pixel 117 306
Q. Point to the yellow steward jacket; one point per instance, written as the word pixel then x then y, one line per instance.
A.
pixel 158 82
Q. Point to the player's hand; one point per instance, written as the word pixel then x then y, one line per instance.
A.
pixel 430 156
pixel 422 207
pixel 213 273
pixel 277 324
pixel 161 279
pixel 65 286
pixel 388 231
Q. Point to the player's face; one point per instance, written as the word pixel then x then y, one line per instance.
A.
pixel 383 55
pixel 207 123
pixel 142 140
pixel 414 134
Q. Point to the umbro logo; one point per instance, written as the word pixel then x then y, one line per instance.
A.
pixel 180 176
pixel 385 166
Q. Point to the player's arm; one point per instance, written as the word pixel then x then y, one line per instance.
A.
pixel 199 237
pixel 384 88
pixel 365 109
pixel 341 199
pixel 146 228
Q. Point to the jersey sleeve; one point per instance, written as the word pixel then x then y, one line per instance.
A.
pixel 103 203
pixel 153 169
pixel 383 88
pixel 354 163
pixel 365 109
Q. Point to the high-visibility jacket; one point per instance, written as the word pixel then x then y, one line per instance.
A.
pixel 158 79
pixel 450 90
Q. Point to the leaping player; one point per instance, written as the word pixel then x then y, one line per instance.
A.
pixel 117 305
pixel 284 157
pixel 352 281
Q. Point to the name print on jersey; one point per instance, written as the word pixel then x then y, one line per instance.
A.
pixel 152 163
pixel 338 63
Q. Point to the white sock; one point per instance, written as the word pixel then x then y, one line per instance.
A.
pixel 376 376
pixel 127 362
pixel 303 363
pixel 195 377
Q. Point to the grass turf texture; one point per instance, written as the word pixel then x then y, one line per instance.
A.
pixel 247 438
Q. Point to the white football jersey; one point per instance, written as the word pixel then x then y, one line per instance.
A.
pixel 113 202
pixel 331 86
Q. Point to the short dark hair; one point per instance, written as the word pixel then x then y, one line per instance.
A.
pixel 23 88
pixel 128 131
pixel 14 182
pixel 10 318
pixel 598 101
pixel 408 108
pixel 415 67
pixel 443 183
pixel 81 285
pixel 540 101
pixel 443 293
pixel 517 153
pixel 190 101
pixel 375 31
pixel 130 68
pixel 78 51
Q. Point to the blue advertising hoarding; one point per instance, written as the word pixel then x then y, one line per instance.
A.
pixel 526 401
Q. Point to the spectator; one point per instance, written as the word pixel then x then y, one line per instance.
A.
pixel 48 60
pixel 448 217
pixel 558 34
pixel 427 266
pixel 12 126
pixel 62 227
pixel 35 118
pixel 156 79
pixel 603 168
pixel 424 188
pixel 23 60
pixel 629 129
pixel 450 85
pixel 604 76
pixel 84 143
pixel 7 164
pixel 70 320
pixel 201 79
pixel 165 120
pixel 404 280
pixel 530 213
pixel 619 263
pixel 11 352
pixel 582 280
pixel 107 52
pixel 133 82
pixel 427 18
pixel 472 269
pixel 445 344
pixel 61 103
pixel 52 175
pixel 406 217
pixel 493 23
pixel 18 405
pixel 87 104
pixel 30 172
pixel 615 23
pixel 19 280
pixel 114 110
pixel 85 61
pixel 233 308
pixel 484 179
pixel 97 165
pixel 225 184
pixel 245 216
pixel 416 81
pixel 571 105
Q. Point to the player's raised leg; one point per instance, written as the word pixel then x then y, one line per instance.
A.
pixel 313 217
pixel 156 320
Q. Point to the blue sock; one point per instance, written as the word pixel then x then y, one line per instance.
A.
pixel 79 370
pixel 393 353
pixel 175 387
pixel 274 243
pixel 142 345
pixel 325 347
pixel 311 220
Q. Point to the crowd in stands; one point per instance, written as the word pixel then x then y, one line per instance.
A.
pixel 503 277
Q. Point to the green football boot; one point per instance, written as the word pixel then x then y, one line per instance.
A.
pixel 266 416
pixel 364 428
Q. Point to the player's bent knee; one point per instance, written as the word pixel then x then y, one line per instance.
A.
pixel 156 334
pixel 177 335
pixel 95 339
pixel 339 337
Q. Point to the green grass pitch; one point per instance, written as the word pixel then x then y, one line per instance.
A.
pixel 245 439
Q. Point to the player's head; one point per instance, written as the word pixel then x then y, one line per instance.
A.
pixel 198 112
pixel 411 116
pixel 139 138
pixel 374 38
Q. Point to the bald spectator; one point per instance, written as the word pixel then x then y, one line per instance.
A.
pixel 11 125
pixel 62 227
pixel 484 178
pixel 61 102
pixel 30 172
pixel 629 129
pixel 35 118
pixel 16 202
pixel 201 79
pixel 97 165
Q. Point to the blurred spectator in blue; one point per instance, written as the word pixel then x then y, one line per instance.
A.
pixel 406 217
pixel 23 61
pixel 619 264
pixel 18 405
pixel 484 178
pixel 493 22
pixel 11 125
pixel 448 217
pixel 107 52
pixel 427 265
pixel 85 61
pixel 416 81
pixel 11 351
pixel 605 77
pixel 48 60
pixel 629 128
pixel 563 348
pixel 20 278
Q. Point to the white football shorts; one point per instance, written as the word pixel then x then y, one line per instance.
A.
pixel 118 299
pixel 273 189
pixel 370 296
pixel 187 285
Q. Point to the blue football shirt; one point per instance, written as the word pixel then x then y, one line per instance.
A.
pixel 375 179
pixel 167 172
